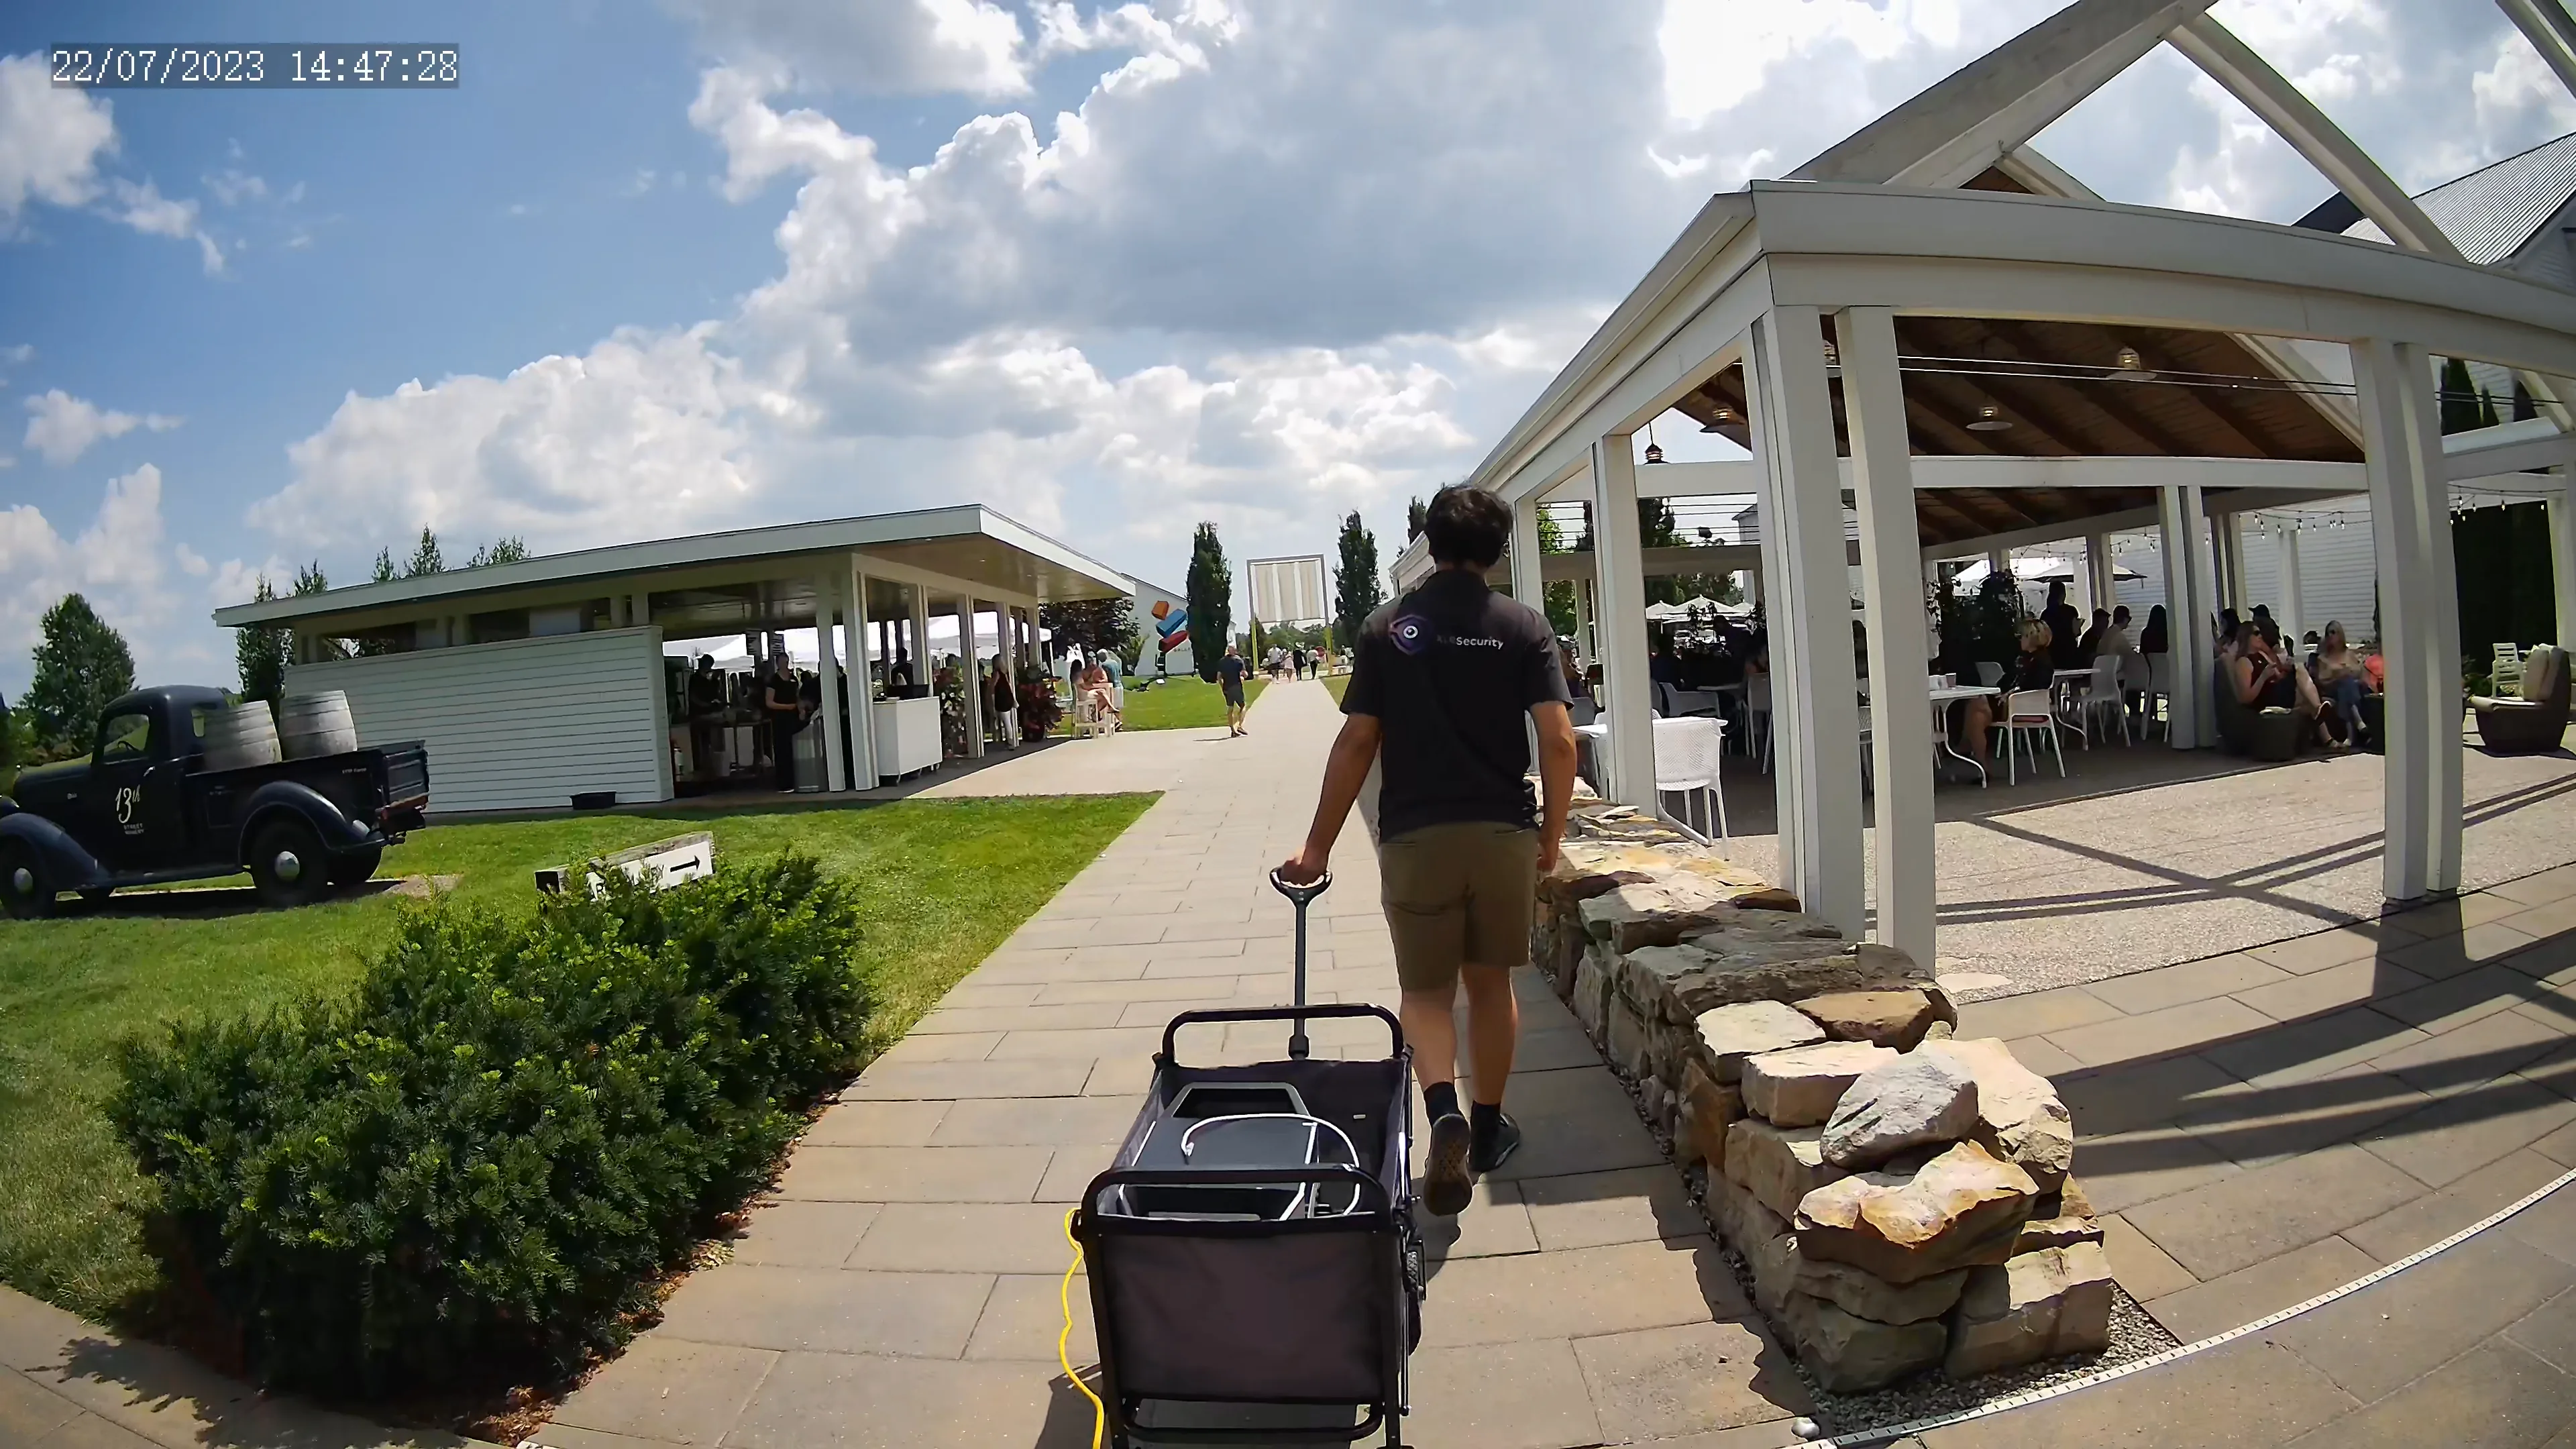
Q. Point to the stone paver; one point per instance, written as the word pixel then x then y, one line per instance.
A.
pixel 902 1286
pixel 2473 1346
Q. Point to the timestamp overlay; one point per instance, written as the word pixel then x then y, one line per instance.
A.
pixel 337 65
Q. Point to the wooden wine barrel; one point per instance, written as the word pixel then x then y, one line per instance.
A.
pixel 240 736
pixel 315 724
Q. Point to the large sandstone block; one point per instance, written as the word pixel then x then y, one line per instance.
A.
pixel 1914 1100
pixel 1888 1018
pixel 1851 1355
pixel 2020 1117
pixel 1770 1250
pixel 1723 971
pixel 1630 1037
pixel 2046 1304
pixel 1707 1110
pixel 1591 999
pixel 1799 1087
pixel 1961 1209
pixel 1866 1295
pixel 1728 1035
pixel 1630 916
pixel 1778 1165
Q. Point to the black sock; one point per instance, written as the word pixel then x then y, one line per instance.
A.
pixel 1484 1120
pixel 1439 1100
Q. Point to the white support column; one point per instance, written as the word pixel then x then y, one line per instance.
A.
pixel 1618 554
pixel 966 677
pixel 639 610
pixel 2200 554
pixel 617 611
pixel 2382 375
pixel 1007 620
pixel 2291 613
pixel 854 632
pixel 2186 628
pixel 827 662
pixel 1891 557
pixel 2444 710
pixel 920 650
pixel 1813 691
pixel 2101 572
pixel 1527 570
pixel 2562 557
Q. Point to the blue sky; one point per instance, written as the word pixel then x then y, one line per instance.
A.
pixel 657 268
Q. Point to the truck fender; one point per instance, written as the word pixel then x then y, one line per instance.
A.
pixel 72 867
pixel 293 797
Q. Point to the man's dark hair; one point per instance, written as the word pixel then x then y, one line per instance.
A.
pixel 1466 526
pixel 2120 615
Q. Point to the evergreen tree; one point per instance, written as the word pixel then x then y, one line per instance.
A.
pixel 1413 515
pixel 1356 590
pixel 2487 409
pixel 384 573
pixel 259 653
pixel 509 549
pixel 1093 624
pixel 1210 588
pixel 311 580
pixel 377 644
pixel 425 558
pixel 2459 397
pixel 81 664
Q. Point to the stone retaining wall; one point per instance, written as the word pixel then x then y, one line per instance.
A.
pixel 1900 1197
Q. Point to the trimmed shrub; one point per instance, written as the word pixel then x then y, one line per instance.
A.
pixel 480 1162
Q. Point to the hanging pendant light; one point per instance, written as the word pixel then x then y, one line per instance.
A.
pixel 1724 417
pixel 1990 419
pixel 2128 366
pixel 1654 450
pixel 1833 354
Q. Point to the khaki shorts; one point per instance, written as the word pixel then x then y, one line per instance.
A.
pixel 1456 895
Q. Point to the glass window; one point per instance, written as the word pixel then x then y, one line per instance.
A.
pixel 197 718
pixel 124 736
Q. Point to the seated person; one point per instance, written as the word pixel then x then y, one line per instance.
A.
pixel 2342 679
pixel 2089 647
pixel 2265 679
pixel 2036 668
pixel 1099 701
pixel 1971 719
pixel 1662 668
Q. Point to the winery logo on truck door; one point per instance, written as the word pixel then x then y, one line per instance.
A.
pixel 127 797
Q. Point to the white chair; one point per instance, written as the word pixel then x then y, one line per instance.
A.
pixel 2099 694
pixel 1687 756
pixel 2026 710
pixel 1989 673
pixel 1757 717
pixel 2160 689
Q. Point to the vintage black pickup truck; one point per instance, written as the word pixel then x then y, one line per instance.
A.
pixel 143 808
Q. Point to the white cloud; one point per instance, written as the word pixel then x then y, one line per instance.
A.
pixel 120 562
pixel 50 140
pixel 895 47
pixel 62 427
pixel 232 186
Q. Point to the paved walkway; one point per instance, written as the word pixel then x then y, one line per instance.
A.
pixel 902 1287
pixel 2474 1348
pixel 2145 856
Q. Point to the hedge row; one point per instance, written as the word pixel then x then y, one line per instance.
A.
pixel 480 1161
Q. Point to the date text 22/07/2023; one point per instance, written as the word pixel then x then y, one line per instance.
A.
pixel 122 65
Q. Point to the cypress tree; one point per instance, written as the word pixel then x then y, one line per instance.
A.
pixel 1210 588
pixel 259 653
pixel 1356 591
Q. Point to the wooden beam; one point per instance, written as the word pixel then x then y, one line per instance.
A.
pixel 2213 401
pixel 2016 339
pixel 2024 416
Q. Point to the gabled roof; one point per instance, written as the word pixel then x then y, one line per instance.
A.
pixel 2492 213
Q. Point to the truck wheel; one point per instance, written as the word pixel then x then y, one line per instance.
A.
pixel 26 887
pixel 355 867
pixel 287 864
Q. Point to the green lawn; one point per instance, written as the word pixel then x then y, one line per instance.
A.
pixel 944 881
pixel 1188 702
pixel 1337 685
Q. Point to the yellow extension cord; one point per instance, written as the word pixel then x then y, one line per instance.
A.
pixel 1064 1296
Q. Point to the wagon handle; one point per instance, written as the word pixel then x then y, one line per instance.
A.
pixel 1300 896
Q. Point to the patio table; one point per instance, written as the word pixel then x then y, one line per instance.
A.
pixel 1942 699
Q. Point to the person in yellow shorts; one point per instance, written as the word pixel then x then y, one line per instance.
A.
pixel 1442 682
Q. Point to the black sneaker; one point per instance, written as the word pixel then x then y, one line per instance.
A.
pixel 1446 1179
pixel 1490 1156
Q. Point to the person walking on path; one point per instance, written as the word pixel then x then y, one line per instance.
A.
pixel 1441 680
pixel 1229 677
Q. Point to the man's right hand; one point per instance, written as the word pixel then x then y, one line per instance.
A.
pixel 1305 867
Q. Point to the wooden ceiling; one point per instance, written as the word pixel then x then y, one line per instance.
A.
pixel 2213 398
